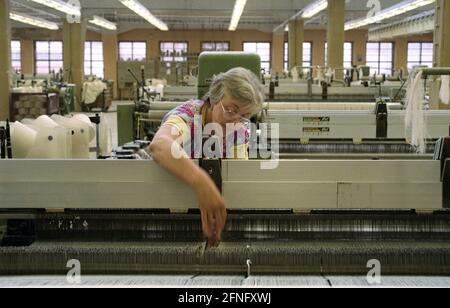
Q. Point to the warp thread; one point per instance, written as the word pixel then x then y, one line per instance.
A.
pixel 415 126
pixel 445 89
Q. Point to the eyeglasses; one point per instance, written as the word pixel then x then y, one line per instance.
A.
pixel 233 115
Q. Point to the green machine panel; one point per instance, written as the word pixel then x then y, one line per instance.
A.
pixel 125 123
pixel 214 63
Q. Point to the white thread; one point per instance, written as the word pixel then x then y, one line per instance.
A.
pixel 415 119
pixel 445 90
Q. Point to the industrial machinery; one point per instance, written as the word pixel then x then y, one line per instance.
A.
pixel 304 217
pixel 347 128
pixel 319 84
pixel 136 123
pixel 35 95
pixel 316 216
pixel 367 129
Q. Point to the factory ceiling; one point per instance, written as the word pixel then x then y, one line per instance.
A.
pixel 262 15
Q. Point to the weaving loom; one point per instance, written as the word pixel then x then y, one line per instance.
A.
pixel 318 216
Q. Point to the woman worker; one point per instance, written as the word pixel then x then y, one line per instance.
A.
pixel 233 98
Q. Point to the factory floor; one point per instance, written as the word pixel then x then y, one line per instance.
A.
pixel 225 281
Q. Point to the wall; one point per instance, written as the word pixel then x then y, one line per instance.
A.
pixel 110 53
pixel 195 37
pixel 27 38
pixel 401 48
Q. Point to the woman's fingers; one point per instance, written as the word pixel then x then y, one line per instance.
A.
pixel 212 222
pixel 221 217
pixel 205 226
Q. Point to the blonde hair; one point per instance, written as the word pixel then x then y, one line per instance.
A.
pixel 239 84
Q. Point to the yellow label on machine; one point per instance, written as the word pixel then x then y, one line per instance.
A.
pixel 316 119
pixel 316 130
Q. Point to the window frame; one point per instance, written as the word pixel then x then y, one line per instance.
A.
pixel 15 60
pixel 49 61
pixel 91 61
pixel 270 51
pixel 286 54
pixel 303 56
pixel 421 53
pixel 379 56
pixel 215 43
pixel 351 53
pixel 132 50
pixel 185 58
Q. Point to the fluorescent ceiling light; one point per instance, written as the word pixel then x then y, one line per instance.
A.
pixel 34 21
pixel 60 6
pixel 101 22
pixel 314 8
pixel 239 6
pixel 398 9
pixel 142 11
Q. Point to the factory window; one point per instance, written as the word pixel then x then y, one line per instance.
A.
pixel 215 46
pixel 93 59
pixel 174 51
pixel 263 50
pixel 420 54
pixel 380 58
pixel 348 54
pixel 49 57
pixel 307 55
pixel 16 56
pixel 286 56
pixel 132 51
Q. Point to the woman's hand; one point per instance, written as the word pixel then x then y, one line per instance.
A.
pixel 212 208
pixel 211 203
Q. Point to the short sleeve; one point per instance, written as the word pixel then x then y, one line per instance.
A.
pixel 180 125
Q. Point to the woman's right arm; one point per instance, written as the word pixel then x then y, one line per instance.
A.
pixel 168 153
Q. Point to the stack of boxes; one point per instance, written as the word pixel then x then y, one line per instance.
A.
pixel 31 106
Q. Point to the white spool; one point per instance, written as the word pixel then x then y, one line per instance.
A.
pixel 445 90
pixel 51 143
pixel 85 119
pixel 23 139
pixel 26 121
pixel 45 121
pixel 105 137
pixel 79 134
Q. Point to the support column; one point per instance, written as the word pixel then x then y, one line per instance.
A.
pixel 401 54
pixel 5 59
pixel 153 43
pixel 236 41
pixel 74 38
pixel 110 55
pixel 296 36
pixel 336 35
pixel 442 40
pixel 442 34
pixel 278 53
pixel 27 56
